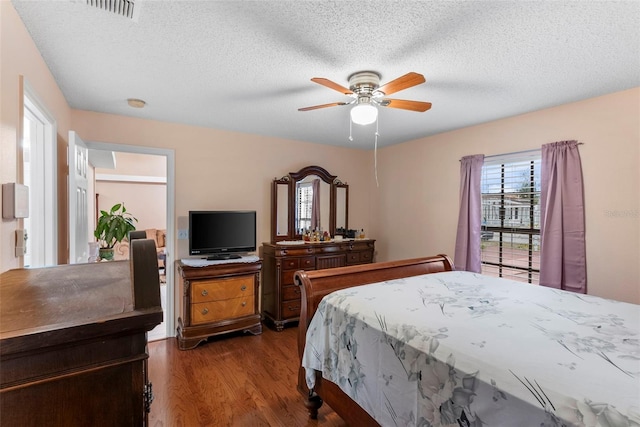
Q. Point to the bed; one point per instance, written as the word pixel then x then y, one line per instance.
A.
pixel 426 345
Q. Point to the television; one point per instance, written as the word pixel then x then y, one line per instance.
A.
pixel 222 234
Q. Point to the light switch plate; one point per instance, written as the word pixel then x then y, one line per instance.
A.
pixel 183 234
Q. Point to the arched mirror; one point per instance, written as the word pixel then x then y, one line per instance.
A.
pixel 311 198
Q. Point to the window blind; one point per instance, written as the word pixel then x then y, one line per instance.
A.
pixel 510 235
pixel 305 199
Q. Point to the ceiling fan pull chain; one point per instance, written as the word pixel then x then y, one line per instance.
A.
pixel 375 152
pixel 350 129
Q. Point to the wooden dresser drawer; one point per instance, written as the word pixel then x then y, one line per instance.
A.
pixel 294 251
pixel 290 264
pixel 287 277
pixel 366 256
pixel 291 293
pixel 206 312
pixel 359 257
pixel 291 309
pixel 304 263
pixel 307 263
pixel 222 289
pixel 356 245
pixel 353 257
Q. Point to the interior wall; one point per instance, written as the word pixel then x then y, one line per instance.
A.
pixel 146 201
pixel 422 219
pixel 217 169
pixel 135 164
pixel 20 57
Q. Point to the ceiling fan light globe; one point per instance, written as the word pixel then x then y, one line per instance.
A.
pixel 364 114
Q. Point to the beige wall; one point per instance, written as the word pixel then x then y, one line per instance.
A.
pixel 146 201
pixel 19 57
pixel 218 169
pixel 135 164
pixel 421 219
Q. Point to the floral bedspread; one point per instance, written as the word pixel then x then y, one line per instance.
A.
pixel 462 349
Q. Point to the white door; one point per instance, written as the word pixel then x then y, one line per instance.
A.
pixel 78 205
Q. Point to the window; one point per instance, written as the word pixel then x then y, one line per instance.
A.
pixel 305 203
pixel 510 235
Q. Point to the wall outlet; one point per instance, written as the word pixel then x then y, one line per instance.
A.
pixel 183 234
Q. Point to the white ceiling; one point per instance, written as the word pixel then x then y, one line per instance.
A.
pixel 246 65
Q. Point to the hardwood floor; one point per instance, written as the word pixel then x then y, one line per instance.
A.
pixel 237 380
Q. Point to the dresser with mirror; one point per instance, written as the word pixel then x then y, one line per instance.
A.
pixel 302 201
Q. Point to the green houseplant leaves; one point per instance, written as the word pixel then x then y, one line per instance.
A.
pixel 114 226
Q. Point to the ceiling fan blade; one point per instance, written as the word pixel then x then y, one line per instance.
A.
pixel 331 85
pixel 315 107
pixel 406 105
pixel 402 83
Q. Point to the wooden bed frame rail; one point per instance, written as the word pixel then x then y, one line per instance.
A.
pixel 318 283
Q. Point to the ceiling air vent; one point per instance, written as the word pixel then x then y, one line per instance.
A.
pixel 127 8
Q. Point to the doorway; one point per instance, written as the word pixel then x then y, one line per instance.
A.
pixel 144 184
pixel 39 173
pixel 39 170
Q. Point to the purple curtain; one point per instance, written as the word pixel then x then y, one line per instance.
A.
pixel 315 204
pixel 467 253
pixel 563 259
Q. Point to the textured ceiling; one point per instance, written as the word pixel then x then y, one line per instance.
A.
pixel 246 65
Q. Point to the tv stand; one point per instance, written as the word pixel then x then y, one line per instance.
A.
pixel 220 257
pixel 218 299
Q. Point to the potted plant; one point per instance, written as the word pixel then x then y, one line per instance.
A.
pixel 113 227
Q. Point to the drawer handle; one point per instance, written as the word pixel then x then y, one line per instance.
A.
pixel 293 308
pixel 243 288
pixel 244 303
pixel 296 291
pixel 205 311
pixel 204 293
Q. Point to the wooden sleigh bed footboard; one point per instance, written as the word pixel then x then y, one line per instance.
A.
pixel 314 286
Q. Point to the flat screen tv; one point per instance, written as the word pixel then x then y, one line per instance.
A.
pixel 222 234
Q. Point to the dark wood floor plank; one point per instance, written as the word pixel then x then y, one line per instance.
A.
pixel 234 380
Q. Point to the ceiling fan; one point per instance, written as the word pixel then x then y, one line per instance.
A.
pixel 365 89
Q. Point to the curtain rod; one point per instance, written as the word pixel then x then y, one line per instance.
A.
pixel 513 153
pixel 519 152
